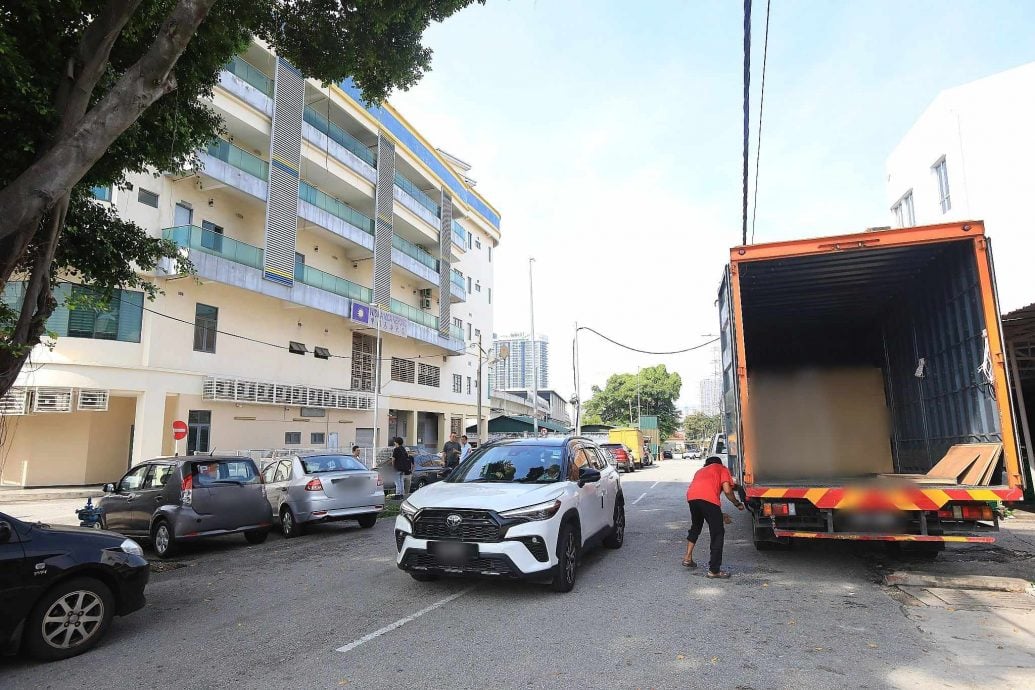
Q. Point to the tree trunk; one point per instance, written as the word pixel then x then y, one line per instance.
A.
pixel 53 175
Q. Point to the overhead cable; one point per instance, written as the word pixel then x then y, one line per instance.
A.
pixel 761 103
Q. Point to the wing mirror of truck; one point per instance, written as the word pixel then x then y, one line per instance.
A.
pixel 587 475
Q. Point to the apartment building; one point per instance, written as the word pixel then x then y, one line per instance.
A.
pixel 316 226
pixel 968 157
pixel 514 367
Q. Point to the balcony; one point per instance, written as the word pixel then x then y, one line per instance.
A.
pixel 232 262
pixel 233 166
pixel 459 237
pixel 249 84
pixel 424 326
pixel 409 195
pixel 457 289
pixel 332 214
pixel 415 260
pixel 346 148
pixel 414 314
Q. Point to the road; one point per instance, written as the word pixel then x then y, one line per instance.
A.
pixel 226 614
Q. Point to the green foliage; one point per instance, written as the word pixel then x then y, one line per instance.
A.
pixel 657 390
pixel 699 425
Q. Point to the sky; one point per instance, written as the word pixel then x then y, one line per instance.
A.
pixel 609 135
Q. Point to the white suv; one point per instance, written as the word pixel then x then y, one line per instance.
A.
pixel 520 508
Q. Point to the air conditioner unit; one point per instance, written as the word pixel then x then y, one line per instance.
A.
pixel 425 298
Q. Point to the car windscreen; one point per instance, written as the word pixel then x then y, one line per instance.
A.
pixel 216 471
pixel 314 464
pixel 512 463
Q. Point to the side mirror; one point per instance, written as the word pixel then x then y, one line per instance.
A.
pixel 5 532
pixel 109 488
pixel 446 472
pixel 587 475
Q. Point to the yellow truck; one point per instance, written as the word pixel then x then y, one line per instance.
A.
pixel 633 438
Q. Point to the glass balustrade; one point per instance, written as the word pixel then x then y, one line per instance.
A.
pixel 412 250
pixel 459 234
pixel 339 209
pixel 332 283
pixel 209 242
pixel 340 136
pixel 239 158
pixel 414 314
pixel 458 279
pixel 250 74
pixel 419 196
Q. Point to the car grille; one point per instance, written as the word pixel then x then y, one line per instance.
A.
pixel 475 566
pixel 476 525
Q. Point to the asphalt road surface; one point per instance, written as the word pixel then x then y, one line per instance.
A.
pixel 331 610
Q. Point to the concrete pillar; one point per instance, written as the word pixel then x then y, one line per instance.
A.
pixel 410 425
pixel 149 426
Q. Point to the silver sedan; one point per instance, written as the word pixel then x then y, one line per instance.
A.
pixel 321 487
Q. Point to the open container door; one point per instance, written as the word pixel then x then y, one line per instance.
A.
pixel 730 404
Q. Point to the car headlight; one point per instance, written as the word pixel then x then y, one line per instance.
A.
pixel 407 510
pixel 131 547
pixel 539 511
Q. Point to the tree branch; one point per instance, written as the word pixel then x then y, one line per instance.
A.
pixel 46 181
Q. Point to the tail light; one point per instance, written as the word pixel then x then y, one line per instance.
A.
pixel 380 482
pixel 778 509
pixel 187 490
pixel 314 485
pixel 966 512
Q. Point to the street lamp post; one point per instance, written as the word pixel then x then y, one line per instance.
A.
pixel 535 378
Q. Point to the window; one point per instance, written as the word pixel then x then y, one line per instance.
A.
pixel 477 333
pixel 456 425
pixel 147 197
pixel 470 240
pixel 943 184
pixel 300 267
pixel 427 375
pixel 478 287
pixel 183 214
pixel 292 438
pixel 468 385
pixel 363 347
pixel 477 243
pixel 317 438
pixel 206 322
pixel 490 253
pixel 101 193
pixel 211 236
pixel 458 322
pixel 199 428
pixel 903 211
pixel 158 477
pixel 89 317
pixel 490 295
pixel 469 331
pixel 403 370
pixel 458 382
pixel 134 479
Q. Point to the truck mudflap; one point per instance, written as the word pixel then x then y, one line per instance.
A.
pixel 861 536
pixel 898 499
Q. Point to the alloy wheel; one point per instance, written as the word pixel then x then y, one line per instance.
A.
pixel 287 523
pixel 162 539
pixel 619 524
pixel 570 556
pixel 73 619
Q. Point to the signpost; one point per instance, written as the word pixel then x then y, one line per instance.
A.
pixel 179 433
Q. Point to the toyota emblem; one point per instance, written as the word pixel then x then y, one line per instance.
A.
pixel 453 522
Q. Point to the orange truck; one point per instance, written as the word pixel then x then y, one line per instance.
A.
pixel 851 366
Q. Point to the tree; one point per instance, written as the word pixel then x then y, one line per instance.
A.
pixel 95 89
pixel 656 390
pixel 700 425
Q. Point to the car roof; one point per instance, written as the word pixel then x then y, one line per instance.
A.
pixel 180 459
pixel 548 441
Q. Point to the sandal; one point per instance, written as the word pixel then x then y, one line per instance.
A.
pixel 718 576
pixel 689 564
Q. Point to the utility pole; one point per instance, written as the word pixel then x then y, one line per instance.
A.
pixel 481 357
pixel 535 378
pixel 578 397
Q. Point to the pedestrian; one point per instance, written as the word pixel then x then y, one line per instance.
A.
pixel 403 465
pixel 705 501
pixel 357 454
pixel 451 451
pixel 465 448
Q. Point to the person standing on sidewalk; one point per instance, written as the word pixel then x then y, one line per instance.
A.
pixel 704 498
pixel 402 463
pixel 465 448
pixel 451 451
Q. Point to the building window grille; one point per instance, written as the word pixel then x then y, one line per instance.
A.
pixel 363 348
pixel 943 185
pixel 292 438
pixel 903 211
pixel 403 370
pixel 458 382
pixel 147 197
pixel 427 375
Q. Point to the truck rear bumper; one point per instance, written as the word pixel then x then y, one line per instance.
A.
pixel 864 536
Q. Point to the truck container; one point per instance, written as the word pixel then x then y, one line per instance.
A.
pixel 851 365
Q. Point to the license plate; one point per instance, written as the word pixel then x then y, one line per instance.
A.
pixel 452 551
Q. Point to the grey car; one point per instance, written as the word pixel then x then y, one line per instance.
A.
pixel 172 500
pixel 322 487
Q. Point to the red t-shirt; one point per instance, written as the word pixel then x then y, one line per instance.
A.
pixel 707 483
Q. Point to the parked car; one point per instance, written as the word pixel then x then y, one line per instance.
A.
pixel 693 452
pixel 621 454
pixel 60 587
pixel 173 500
pixel 322 487
pixel 666 455
pixel 520 508
pixel 427 469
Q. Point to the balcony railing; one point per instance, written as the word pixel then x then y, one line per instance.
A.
pixel 458 279
pixel 239 158
pixel 414 314
pixel 459 235
pixel 412 250
pixel 457 332
pixel 339 209
pixel 340 136
pixel 250 74
pixel 193 237
pixel 419 196
pixel 332 283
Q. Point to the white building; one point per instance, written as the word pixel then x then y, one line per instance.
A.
pixel 273 343
pixel 516 369
pixel 969 157
pixel 551 405
pixel 711 395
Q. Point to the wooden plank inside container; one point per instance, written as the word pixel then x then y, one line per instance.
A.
pixel 983 465
pixel 955 463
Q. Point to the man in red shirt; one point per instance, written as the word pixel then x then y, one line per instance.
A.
pixel 703 497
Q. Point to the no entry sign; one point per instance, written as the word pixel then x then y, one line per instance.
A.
pixel 179 430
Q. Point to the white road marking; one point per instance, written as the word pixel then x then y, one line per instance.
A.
pixel 646 492
pixel 403 621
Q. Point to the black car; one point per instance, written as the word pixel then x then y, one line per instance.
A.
pixel 427 468
pixel 60 587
